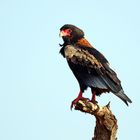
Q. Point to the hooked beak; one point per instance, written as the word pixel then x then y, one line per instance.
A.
pixel 61 34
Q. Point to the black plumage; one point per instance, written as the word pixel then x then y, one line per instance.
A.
pixel 89 66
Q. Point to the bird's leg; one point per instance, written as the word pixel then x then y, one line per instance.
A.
pixel 93 99
pixel 77 99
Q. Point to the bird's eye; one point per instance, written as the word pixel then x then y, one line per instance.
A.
pixel 68 30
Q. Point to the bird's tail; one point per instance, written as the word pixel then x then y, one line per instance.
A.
pixel 123 97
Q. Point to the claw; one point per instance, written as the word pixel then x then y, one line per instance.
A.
pixel 75 101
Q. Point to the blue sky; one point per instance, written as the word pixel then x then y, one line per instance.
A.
pixel 36 85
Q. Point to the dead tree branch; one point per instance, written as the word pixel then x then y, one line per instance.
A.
pixel 106 123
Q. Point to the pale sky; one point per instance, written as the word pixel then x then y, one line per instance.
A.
pixel 36 84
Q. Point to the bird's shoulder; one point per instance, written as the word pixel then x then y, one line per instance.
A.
pixel 85 45
pixel 80 55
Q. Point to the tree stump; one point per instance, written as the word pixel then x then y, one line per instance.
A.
pixel 106 123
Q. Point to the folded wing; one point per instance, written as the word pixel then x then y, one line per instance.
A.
pixel 92 69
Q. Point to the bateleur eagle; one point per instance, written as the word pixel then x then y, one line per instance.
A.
pixel 89 66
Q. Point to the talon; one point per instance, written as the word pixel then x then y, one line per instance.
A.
pixel 75 101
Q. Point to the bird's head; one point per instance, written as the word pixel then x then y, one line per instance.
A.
pixel 71 33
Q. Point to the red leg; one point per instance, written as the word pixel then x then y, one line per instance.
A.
pixel 93 99
pixel 77 99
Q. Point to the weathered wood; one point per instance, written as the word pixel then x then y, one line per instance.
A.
pixel 106 123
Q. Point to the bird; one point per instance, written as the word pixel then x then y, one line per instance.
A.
pixel 89 66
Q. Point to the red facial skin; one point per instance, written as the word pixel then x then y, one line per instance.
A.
pixel 66 32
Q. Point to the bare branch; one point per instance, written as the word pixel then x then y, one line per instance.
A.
pixel 106 123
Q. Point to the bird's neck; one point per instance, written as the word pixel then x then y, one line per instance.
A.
pixel 79 42
pixel 83 42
